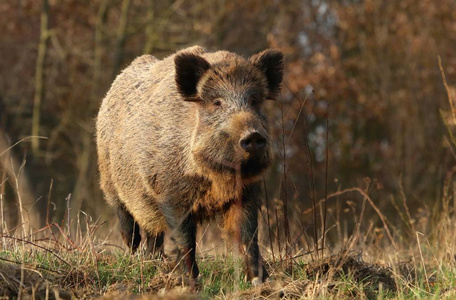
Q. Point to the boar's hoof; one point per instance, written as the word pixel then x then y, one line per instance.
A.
pixel 256 281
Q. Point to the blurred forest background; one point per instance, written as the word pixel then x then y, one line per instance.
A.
pixel 368 68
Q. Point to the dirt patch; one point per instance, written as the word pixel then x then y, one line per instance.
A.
pixel 277 289
pixel 163 286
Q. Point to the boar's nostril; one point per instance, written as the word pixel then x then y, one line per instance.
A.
pixel 253 142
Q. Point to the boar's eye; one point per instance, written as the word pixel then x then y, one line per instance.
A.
pixel 217 103
pixel 255 102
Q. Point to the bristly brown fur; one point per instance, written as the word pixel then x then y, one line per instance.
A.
pixel 169 145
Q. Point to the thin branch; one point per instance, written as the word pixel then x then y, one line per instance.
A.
pixel 20 141
pixel 447 89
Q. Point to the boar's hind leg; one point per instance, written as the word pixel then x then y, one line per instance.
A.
pixel 129 229
pixel 183 234
pixel 155 244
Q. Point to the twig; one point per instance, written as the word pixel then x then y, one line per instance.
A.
pixel 422 259
pixel 20 141
pixel 447 89
pixel 49 201
pixel 268 220
pixel 278 232
pixel 68 214
pixel 326 183
pixel 19 198
pixel 286 223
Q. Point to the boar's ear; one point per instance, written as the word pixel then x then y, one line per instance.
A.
pixel 189 69
pixel 270 62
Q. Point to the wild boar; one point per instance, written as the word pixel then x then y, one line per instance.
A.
pixel 185 138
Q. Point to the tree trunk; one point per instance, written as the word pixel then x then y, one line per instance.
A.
pixel 38 97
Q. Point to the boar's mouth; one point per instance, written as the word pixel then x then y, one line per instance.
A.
pixel 248 168
pixel 253 167
pixel 219 167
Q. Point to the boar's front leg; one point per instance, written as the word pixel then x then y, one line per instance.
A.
pixel 256 272
pixel 242 221
pixel 183 233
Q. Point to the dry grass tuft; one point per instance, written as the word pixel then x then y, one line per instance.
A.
pixel 371 277
pixel 29 282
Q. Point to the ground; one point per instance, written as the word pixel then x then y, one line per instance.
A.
pixel 47 269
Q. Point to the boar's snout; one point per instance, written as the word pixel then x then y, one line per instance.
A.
pixel 253 142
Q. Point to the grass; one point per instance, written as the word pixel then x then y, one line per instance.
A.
pixel 51 268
